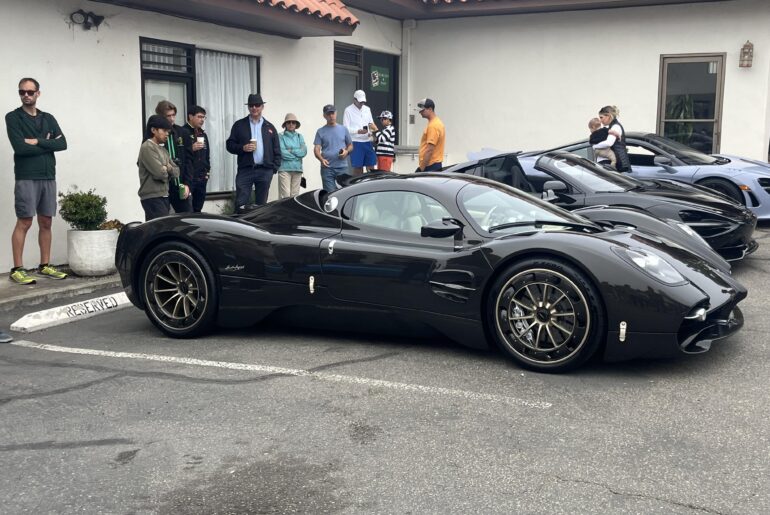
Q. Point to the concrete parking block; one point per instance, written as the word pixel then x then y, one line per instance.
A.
pixel 70 313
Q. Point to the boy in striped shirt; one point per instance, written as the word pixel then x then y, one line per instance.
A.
pixel 385 144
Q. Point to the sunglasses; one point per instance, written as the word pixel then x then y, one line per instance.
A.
pixel 255 105
pixel 27 92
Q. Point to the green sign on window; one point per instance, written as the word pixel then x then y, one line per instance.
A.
pixel 380 79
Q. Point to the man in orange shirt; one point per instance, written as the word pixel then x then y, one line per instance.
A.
pixel 432 142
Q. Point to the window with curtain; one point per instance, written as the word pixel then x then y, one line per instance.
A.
pixel 223 83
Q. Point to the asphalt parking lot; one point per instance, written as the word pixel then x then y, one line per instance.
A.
pixel 107 416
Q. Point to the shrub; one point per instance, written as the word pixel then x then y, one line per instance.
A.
pixel 83 210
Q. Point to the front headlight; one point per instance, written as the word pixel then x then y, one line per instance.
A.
pixel 652 264
pixel 689 230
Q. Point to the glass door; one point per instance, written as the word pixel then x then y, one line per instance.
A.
pixel 690 105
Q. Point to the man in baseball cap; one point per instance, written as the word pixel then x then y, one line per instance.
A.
pixel 331 147
pixel 432 141
pixel 359 123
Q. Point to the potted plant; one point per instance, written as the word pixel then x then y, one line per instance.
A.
pixel 92 240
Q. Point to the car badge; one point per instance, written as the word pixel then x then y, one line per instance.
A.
pixel 311 284
pixel 622 335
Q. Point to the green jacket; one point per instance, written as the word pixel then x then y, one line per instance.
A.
pixel 35 162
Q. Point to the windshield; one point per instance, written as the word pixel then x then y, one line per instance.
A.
pixel 495 206
pixel 682 152
pixel 586 173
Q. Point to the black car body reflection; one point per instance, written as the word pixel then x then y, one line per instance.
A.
pixel 577 183
pixel 472 259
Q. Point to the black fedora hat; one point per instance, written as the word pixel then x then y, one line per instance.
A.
pixel 255 99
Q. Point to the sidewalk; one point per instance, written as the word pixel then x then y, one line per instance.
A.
pixel 14 295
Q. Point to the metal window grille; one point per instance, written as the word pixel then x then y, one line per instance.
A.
pixel 348 56
pixel 166 58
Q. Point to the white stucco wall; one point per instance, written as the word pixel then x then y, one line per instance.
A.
pixel 532 81
pixel 91 82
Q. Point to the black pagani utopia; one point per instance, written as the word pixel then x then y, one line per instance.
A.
pixel 472 259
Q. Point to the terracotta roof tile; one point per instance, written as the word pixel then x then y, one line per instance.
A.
pixel 332 10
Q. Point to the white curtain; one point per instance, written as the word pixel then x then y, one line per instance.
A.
pixel 224 82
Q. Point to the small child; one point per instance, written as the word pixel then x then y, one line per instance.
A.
pixel 599 134
pixel 385 143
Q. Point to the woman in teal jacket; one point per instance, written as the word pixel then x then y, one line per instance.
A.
pixel 293 149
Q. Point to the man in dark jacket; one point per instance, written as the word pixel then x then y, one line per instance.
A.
pixel 197 157
pixel 255 141
pixel 34 136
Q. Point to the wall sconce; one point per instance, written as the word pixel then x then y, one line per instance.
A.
pixel 747 55
pixel 86 19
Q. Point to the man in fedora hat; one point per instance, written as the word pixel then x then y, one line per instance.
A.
pixel 293 150
pixel 255 141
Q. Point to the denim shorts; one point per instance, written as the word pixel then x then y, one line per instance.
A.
pixel 32 197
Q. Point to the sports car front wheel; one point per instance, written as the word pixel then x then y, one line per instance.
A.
pixel 178 288
pixel 546 315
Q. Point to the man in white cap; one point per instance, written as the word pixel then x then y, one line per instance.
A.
pixel 359 123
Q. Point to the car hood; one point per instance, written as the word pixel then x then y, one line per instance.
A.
pixel 663 190
pixel 741 164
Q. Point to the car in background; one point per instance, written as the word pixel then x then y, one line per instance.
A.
pixel 472 259
pixel 744 180
pixel 573 182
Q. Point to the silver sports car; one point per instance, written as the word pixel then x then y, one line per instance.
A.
pixel 654 157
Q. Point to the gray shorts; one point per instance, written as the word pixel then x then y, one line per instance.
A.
pixel 34 198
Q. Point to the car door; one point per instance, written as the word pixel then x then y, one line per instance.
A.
pixel 380 257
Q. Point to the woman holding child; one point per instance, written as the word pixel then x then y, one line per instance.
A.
pixel 616 138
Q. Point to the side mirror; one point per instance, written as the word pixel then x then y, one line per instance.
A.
pixel 554 186
pixel 662 161
pixel 441 228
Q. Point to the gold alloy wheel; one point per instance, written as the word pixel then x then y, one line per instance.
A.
pixel 176 290
pixel 542 316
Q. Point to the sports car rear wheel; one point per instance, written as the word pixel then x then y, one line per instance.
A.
pixel 179 292
pixel 724 187
pixel 546 315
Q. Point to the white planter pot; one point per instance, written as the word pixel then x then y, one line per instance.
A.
pixel 92 253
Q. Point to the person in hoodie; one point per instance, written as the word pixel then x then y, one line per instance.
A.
pixel 293 149
pixel 155 169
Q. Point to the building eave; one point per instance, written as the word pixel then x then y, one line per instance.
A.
pixel 255 16
pixel 436 9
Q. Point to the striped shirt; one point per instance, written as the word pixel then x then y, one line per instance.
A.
pixel 386 140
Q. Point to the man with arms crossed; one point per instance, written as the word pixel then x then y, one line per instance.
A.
pixel 34 136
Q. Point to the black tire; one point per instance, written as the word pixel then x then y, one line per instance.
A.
pixel 178 289
pixel 726 188
pixel 567 320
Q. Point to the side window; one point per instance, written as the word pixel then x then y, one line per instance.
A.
pixel 495 169
pixel 404 211
pixel 582 152
pixel 639 155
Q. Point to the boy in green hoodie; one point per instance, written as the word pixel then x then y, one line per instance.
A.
pixel 34 136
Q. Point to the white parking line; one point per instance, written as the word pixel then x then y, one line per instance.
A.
pixel 335 378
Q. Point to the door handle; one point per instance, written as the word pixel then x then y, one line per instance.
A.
pixel 331 246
